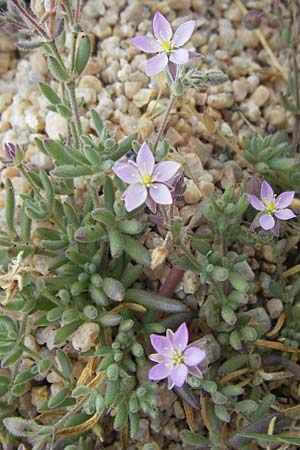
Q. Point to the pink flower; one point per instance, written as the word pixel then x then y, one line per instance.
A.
pixel 175 358
pixel 166 45
pixel 271 207
pixel 146 180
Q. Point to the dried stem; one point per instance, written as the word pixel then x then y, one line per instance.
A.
pixel 30 19
pixel 164 121
pixel 52 19
pixel 77 11
pixel 171 282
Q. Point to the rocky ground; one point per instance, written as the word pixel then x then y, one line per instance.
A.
pixel 115 85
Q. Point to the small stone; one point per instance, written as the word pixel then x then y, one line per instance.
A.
pixel 231 175
pixel 143 97
pixel 192 193
pixel 91 82
pixel 251 110
pixel 55 125
pixel 276 116
pixel 191 282
pixel 268 254
pixel 253 82
pixel 174 137
pixel 194 165
pixel 85 336
pixel 261 95
pixel 275 307
pixel 220 101
pixel 179 4
pixel 5 58
pixel 259 316
pixel 102 30
pixel 178 410
pixel 131 88
pixel 207 188
pixel 248 38
pixel 212 348
pixel 240 89
pixel 39 394
pixel 143 433
pixel 46 336
pixel 187 212
pixel 128 124
pixel 5 100
pixel 165 398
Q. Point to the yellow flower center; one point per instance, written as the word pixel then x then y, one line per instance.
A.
pixel 147 180
pixel 177 358
pixel 271 207
pixel 166 47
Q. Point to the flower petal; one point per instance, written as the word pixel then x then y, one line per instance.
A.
pixel 195 371
pixel 181 337
pixel 165 170
pixel 285 214
pixel 161 27
pixel 179 375
pixel 135 195
pixel 193 356
pixel 157 357
pixel 266 221
pixel 146 44
pixel 127 172
pixel 285 199
pixel 156 64
pixel 145 160
pixel 256 203
pixel 161 344
pixel 183 33
pixel 151 204
pixel 266 193
pixel 179 56
pixel 159 372
pixel 160 194
pixel 200 343
pixel 173 70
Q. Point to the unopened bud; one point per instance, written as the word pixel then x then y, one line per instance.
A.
pixel 216 77
pixel 252 19
pixel 158 256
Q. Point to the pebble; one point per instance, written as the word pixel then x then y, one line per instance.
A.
pixel 143 97
pixel 178 410
pixel 212 348
pixel 261 95
pixel 240 89
pixel 5 100
pixel 194 165
pixel 207 188
pixel 55 125
pixel 165 398
pixel 232 174
pixel 251 110
pixel 276 115
pixel 259 316
pixel 220 101
pixel 39 394
pixel 275 307
pixel 248 38
pixel 85 336
pixel 191 282
pixel 143 433
pixel 131 88
pixel 192 193
pixel 91 82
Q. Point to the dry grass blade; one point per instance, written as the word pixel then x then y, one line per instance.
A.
pixel 190 416
pixel 81 428
pixel 276 346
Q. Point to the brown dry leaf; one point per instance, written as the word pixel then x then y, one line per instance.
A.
pixel 190 416
pixel 81 428
pixel 276 346
pixel 86 373
pixel 235 374
pixel 278 326
pixel 291 271
pixel 204 412
pixel 12 280
pixel 158 256
pixel 124 437
pixel 131 306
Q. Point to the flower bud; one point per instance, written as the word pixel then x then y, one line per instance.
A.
pixel 252 19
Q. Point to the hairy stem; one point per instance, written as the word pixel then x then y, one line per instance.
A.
pixel 164 121
pixel 30 19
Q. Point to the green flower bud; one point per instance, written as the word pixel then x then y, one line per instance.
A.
pixel 90 312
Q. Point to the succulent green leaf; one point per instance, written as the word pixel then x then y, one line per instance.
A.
pixel 83 54
pixel 89 233
pixel 65 331
pixel 71 171
pixel 49 93
pixel 154 301
pixel 136 251
pixel 57 70
pixel 58 398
